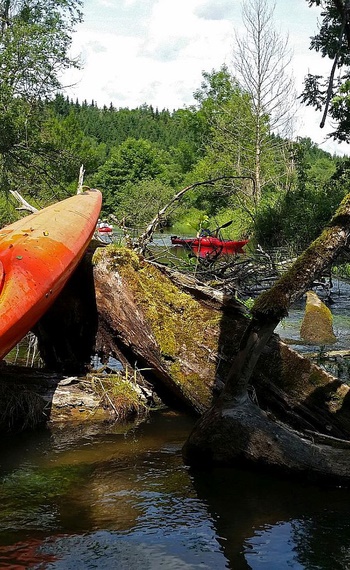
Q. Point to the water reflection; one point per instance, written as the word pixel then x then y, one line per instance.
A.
pixel 264 522
pixel 123 499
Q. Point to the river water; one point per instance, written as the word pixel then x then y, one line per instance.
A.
pixel 122 498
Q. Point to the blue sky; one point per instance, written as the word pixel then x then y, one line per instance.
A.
pixel 154 52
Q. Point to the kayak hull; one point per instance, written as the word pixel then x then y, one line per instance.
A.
pixel 105 230
pixel 38 254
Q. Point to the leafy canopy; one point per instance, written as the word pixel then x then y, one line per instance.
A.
pixel 35 40
pixel 332 93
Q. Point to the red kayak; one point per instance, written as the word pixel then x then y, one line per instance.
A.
pixel 211 243
pixel 104 228
pixel 38 254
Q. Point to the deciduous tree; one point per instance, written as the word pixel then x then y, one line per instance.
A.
pixel 35 40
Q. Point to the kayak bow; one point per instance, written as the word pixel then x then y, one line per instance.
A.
pixel 38 254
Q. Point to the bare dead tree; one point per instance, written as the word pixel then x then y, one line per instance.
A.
pixel 261 60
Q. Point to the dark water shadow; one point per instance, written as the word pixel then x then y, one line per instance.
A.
pixel 263 521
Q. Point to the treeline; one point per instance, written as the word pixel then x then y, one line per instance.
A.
pixel 113 126
pixel 141 157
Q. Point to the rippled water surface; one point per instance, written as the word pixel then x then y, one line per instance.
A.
pixel 102 498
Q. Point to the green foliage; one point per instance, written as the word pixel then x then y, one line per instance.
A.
pixel 149 195
pixel 124 175
pixel 225 113
pixel 8 214
pixel 35 40
pixel 231 147
pixel 332 41
pixel 72 146
pixel 132 161
pixel 298 216
pixel 111 126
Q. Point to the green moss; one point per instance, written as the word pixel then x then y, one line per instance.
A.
pixel 116 257
pixel 176 319
pixel 298 376
pixel 187 332
pixel 342 214
pixel 192 384
pixel 316 378
pixel 184 329
pixel 317 322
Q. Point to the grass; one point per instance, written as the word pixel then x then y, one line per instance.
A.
pixel 120 393
pixel 20 409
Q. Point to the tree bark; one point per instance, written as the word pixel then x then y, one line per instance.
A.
pixel 247 433
pixel 148 322
pixel 243 434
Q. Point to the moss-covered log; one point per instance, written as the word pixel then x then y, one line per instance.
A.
pixel 228 415
pixel 188 334
pixel 152 324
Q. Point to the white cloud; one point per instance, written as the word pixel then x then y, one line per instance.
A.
pixel 154 51
pixel 220 10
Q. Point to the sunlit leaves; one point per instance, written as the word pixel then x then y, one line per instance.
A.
pixel 35 42
pixel 332 41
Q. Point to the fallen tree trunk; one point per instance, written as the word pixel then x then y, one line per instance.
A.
pixel 146 321
pixel 244 434
pixel 186 335
pixel 247 433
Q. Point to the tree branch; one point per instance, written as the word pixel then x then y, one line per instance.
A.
pixel 148 233
pixel 25 204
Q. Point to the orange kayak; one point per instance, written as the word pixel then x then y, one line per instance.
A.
pixel 38 254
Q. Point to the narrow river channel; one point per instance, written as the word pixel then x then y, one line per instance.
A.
pixel 121 498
